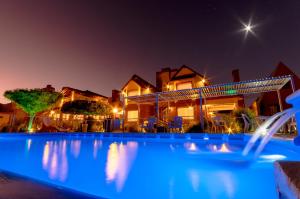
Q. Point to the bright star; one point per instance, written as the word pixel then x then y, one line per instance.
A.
pixel 248 28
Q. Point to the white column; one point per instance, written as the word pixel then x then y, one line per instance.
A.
pixel 279 100
pixel 201 110
pixel 124 113
pixel 157 106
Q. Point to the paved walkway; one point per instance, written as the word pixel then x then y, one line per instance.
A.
pixel 16 187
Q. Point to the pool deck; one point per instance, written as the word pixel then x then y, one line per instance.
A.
pixel 17 187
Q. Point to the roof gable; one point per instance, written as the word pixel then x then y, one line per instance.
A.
pixel 282 69
pixel 185 72
pixel 139 81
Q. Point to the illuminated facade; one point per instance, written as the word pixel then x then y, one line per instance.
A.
pixel 168 80
pixel 268 103
pixel 73 122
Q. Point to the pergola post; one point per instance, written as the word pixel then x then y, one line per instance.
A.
pixel 168 111
pixel 201 110
pixel 157 106
pixel 279 100
pixel 292 83
pixel 139 113
pixel 124 113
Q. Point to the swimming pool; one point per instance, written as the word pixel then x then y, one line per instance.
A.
pixel 149 166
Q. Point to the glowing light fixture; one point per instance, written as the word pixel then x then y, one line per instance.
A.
pixel 229 130
pixel 148 90
pixel 231 92
pixel 115 110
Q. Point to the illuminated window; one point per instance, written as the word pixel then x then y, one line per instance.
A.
pixel 51 114
pixel 147 91
pixel 186 112
pixel 78 117
pixel 66 116
pixel 133 93
pixel 132 116
pixel 186 85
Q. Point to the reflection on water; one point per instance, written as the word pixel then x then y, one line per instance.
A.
pixel 120 158
pixel 195 179
pixel 227 180
pixel 96 147
pixel 75 147
pixel 54 159
pixel 223 148
pixel 191 146
pixel 171 187
pixel 28 144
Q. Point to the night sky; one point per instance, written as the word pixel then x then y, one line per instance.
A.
pixel 99 45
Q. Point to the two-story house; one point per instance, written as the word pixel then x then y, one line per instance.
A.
pixel 170 80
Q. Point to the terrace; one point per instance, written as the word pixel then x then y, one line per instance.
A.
pixel 202 95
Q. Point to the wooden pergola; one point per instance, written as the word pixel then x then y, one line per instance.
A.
pixel 212 91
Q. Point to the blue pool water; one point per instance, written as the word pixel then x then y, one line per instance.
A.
pixel 145 168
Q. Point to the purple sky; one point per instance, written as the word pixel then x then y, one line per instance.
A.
pixel 99 45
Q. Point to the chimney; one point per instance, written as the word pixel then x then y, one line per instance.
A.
pixel 162 78
pixel 49 88
pixel 236 75
pixel 115 95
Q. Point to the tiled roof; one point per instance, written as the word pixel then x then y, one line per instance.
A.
pixel 67 91
pixel 185 76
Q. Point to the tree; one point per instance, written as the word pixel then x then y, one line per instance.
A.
pixel 83 107
pixel 33 101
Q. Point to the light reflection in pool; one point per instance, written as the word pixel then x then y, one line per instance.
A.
pixel 55 160
pixel 97 146
pixel 224 148
pixel 75 147
pixel 191 146
pixel 120 158
pixel 28 144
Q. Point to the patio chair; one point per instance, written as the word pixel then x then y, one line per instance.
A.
pixel 176 124
pixel 150 125
pixel 49 126
pixel 218 124
pixel 116 125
